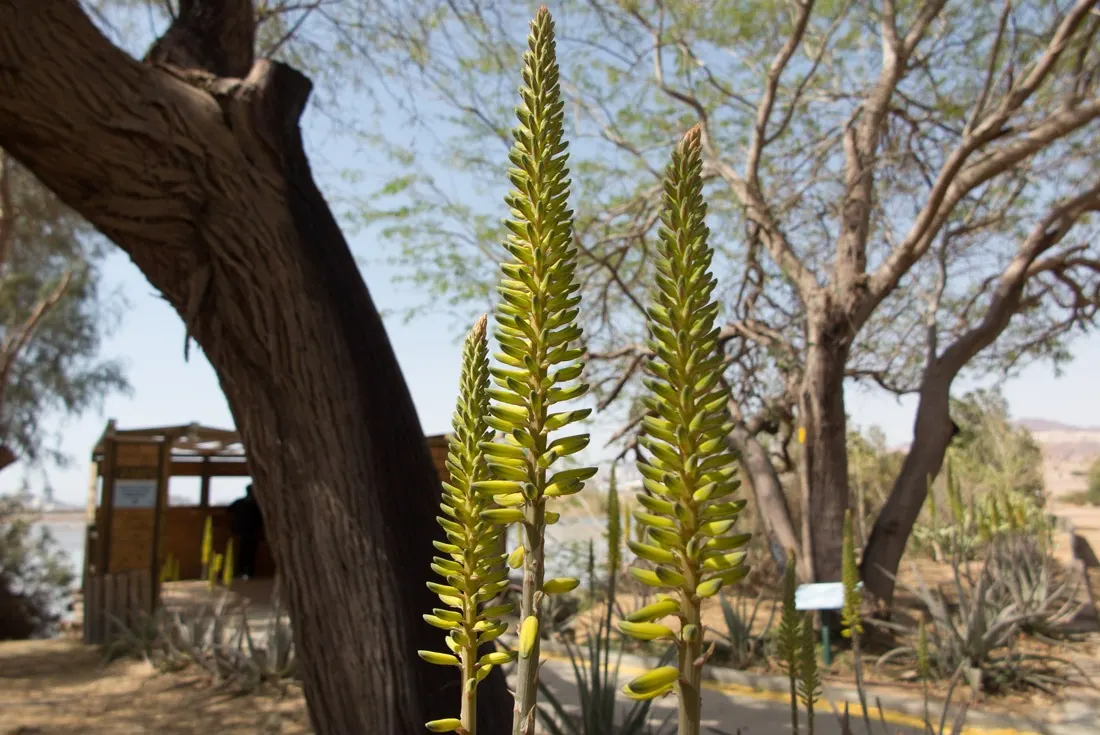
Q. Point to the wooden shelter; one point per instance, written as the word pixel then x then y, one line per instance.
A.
pixel 130 523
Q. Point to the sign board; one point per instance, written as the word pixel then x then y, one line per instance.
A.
pixel 135 493
pixel 822 596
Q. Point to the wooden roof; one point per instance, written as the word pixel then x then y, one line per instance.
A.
pixel 193 440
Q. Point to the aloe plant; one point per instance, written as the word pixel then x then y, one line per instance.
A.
pixel 207 549
pixel 788 640
pixel 227 571
pixel 809 679
pixel 851 620
pixel 471 566
pixel 688 472
pixel 539 362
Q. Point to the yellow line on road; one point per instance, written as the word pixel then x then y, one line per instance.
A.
pixel 890 716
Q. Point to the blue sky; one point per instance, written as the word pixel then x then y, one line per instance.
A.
pixel 169 391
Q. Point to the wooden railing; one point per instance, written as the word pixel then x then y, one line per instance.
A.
pixel 113 600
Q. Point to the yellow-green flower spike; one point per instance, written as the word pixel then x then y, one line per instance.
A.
pixel 809 680
pixel 789 636
pixel 471 563
pixel 539 360
pixel 688 472
pixel 227 572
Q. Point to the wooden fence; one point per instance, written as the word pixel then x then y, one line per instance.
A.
pixel 110 600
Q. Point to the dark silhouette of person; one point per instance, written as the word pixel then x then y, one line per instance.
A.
pixel 247 524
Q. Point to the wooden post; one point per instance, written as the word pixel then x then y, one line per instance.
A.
pixel 164 472
pixel 204 488
pixel 103 537
pixel 89 525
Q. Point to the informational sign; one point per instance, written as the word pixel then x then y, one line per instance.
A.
pixel 135 493
pixel 822 596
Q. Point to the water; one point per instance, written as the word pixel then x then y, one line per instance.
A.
pixel 69 537
pixel 567 544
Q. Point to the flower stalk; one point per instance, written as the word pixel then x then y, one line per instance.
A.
pixel 539 362
pixel 688 472
pixel 472 566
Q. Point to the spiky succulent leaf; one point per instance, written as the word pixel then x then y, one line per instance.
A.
pixel 473 567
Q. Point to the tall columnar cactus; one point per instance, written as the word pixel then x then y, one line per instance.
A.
pixel 471 566
pixel 688 473
pixel 540 361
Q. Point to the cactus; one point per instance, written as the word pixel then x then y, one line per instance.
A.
pixel 472 567
pixel 688 472
pixel 539 360
pixel 787 638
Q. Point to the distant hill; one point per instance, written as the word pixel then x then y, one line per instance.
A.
pixel 1067 452
pixel 1034 425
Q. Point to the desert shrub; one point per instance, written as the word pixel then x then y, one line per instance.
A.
pixel 980 617
pixel 1092 494
pixel 35 577
pixel 215 639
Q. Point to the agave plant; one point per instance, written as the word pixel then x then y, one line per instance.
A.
pixel 688 472
pixel 473 568
pixel 539 362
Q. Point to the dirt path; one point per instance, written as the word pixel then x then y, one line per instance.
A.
pixel 62 687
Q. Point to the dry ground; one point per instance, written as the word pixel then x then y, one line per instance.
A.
pixel 62 687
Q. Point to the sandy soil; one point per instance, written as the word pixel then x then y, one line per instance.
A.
pixel 62 686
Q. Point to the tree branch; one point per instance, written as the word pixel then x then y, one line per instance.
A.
pixel 216 36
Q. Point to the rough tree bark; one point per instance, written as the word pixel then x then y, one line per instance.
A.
pixel 933 428
pixel 767 492
pixel 193 164
pixel 824 460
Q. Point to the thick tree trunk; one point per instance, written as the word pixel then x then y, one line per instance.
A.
pixel 824 461
pixel 890 534
pixel 203 181
pixel 767 492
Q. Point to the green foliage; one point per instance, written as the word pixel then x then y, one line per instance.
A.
pixel 988 608
pixel 217 640
pixel 809 679
pixel 788 640
pixel 53 316
pixel 688 472
pixel 614 529
pixel 850 618
pixel 472 569
pixel 597 682
pixel 540 362
pixel 34 574
pixel 746 646
pixel 1092 494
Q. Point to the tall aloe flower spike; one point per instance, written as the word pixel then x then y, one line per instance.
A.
pixel 539 362
pixel 688 473
pixel 473 568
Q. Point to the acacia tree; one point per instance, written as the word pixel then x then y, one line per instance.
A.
pixel 52 317
pixel 900 190
pixel 192 162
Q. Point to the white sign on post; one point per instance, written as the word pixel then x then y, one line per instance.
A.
pixel 135 493
pixel 822 596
